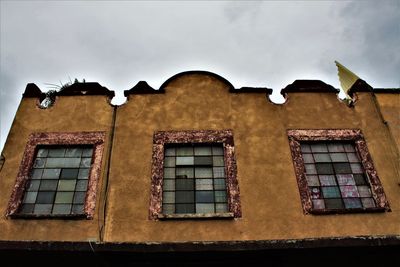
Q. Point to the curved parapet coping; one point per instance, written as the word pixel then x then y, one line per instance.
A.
pixel 87 88
pixel 32 90
pixel 142 87
pixel 308 86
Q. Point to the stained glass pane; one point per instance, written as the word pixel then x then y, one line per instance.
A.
pixel 349 191
pixel 318 147
pixel 359 178
pixel 168 208
pixel 338 157
pixel 305 148
pixel 203 173
pixel 169 185
pixel 170 151
pixel 184 151
pixel 308 158
pixel 349 148
pixel 203 161
pixel 86 162
pixel 324 168
pixel 169 172
pixel 79 197
pixel 342 168
pixel 352 203
pixel 55 162
pixel 219 184
pixel 220 196
pixel 81 185
pixel 56 152
pixel 318 204
pixel 356 168
pixel 87 152
pixel 345 179
pixel 30 197
pixel 204 184
pixel 315 192
pixel 27 208
pixel 219 172
pixel 334 204
pixel 33 185
pixel 39 163
pixel 221 207
pixel 36 173
pixel 368 202
pixel 335 147
pixel 66 185
pixel 184 197
pixel 45 197
pixel 217 150
pixel 73 152
pixel 72 162
pixel 168 197
pixel 184 208
pixel 64 197
pixel 42 208
pixel 42 153
pixel 310 169
pixel 69 173
pixel 322 158
pixel 331 192
pixel 327 180
pixel 312 180
pixel 353 157
pixel 218 161
pixel 83 174
pixel 77 209
pixel 364 191
pixel 48 185
pixel 169 162
pixel 204 196
pixel 62 208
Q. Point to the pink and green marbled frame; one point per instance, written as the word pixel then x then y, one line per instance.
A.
pixel 58 138
pixel 354 135
pixel 161 138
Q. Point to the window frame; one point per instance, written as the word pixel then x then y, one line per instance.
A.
pixel 35 140
pixel 163 138
pixel 296 136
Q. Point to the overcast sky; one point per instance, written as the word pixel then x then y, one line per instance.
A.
pixel 250 43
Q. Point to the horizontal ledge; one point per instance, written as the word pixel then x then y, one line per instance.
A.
pixel 225 215
pixel 49 216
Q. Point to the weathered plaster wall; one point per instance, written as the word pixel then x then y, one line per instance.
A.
pixel 69 114
pixel 389 104
pixel 269 194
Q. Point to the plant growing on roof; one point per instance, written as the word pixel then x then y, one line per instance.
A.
pixel 51 94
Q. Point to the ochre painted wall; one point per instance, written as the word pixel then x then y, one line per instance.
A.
pixel 69 114
pixel 389 104
pixel 269 193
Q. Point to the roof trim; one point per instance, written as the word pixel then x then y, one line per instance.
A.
pixel 86 88
pixel 387 90
pixel 32 90
pixel 309 86
pixel 142 87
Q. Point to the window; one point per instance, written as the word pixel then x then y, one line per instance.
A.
pixel 58 176
pixel 335 172
pixel 194 175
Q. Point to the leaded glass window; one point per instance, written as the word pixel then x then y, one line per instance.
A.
pixel 194 179
pixel 58 181
pixel 335 176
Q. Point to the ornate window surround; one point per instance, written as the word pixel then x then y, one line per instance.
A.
pixel 355 135
pixel 96 139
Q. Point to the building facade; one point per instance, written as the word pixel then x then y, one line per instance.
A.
pixel 200 172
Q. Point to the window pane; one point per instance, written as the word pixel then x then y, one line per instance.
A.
pixel 368 202
pixel 45 197
pixel 55 162
pixel 169 172
pixel 77 209
pixel 202 150
pixel 64 197
pixel 56 152
pixel 310 169
pixel 331 192
pixel 204 196
pixel 335 147
pixel 170 151
pixel 73 152
pixel 217 150
pixel 318 147
pixel 221 207
pixel 322 158
pixel 72 162
pixel 66 185
pixel 69 173
pixel 219 172
pixel 39 163
pixel 203 160
pixel 33 185
pixel 51 173
pixel 36 174
pixel 312 180
pixel 30 197
pixel 352 203
pixel 315 192
pixel 327 180
pixel 62 209
pixel 218 161
pixel 81 185
pixel 42 153
pixel 168 197
pixel 83 174
pixel 184 160
pixel 79 197
pixel 169 185
pixel 324 168
pixel 345 179
pixel 86 162
pixel 318 204
pixel 349 148
pixel 184 151
pixel 353 157
pixel 87 152
pixel 169 162
pixel 349 191
pixel 184 208
pixel 342 167
pixel 203 172
pixel 184 196
pixel 360 179
pixel 356 168
pixel 42 208
pixel 184 184
pixel 204 184
pixel 48 185
pixel 219 184
pixel 364 191
pixel 27 208
pixel 220 196
pixel 184 173
pixel 338 157
pixel 333 204
pixel 168 208
pixel 305 148
pixel 204 208
pixel 308 158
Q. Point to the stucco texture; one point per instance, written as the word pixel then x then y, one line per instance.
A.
pixel 271 207
pixel 69 114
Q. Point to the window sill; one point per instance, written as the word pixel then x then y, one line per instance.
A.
pixel 226 215
pixel 49 216
pixel 347 211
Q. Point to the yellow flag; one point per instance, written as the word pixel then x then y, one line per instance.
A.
pixel 346 77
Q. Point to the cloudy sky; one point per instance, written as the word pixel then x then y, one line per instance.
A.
pixel 250 43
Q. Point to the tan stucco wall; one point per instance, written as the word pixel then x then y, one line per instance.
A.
pixel 269 193
pixel 69 114
pixel 389 104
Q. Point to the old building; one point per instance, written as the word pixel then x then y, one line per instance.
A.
pixel 198 172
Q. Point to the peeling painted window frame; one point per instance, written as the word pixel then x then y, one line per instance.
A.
pixel 96 139
pixel 354 135
pixel 163 138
